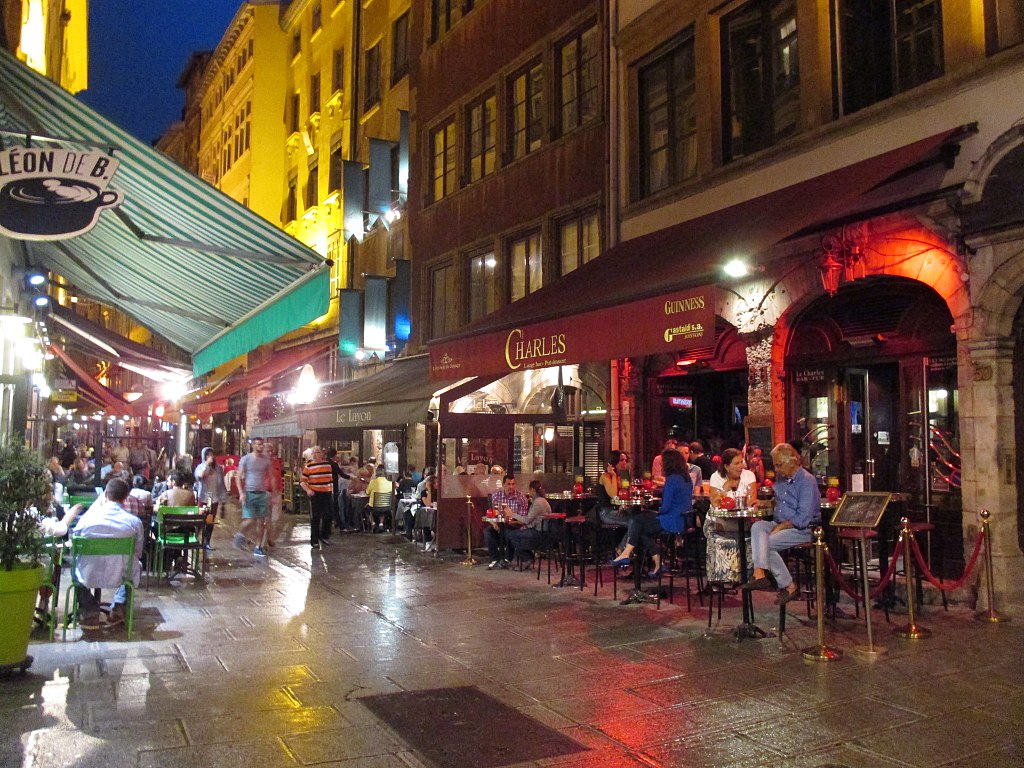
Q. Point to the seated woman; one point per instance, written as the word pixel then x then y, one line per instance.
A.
pixel 723 562
pixel 676 505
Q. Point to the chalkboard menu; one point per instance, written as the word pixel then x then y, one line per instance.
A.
pixel 861 510
pixel 517 455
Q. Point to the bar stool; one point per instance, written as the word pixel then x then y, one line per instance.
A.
pixel 852 537
pixel 685 560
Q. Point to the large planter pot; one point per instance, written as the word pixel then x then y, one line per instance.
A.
pixel 18 591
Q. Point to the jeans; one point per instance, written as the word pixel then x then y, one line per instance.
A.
pixel 497 542
pixel 523 540
pixel 766 546
pixel 320 517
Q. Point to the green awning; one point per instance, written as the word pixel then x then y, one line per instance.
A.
pixel 178 255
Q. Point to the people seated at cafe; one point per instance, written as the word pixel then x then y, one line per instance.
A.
pixel 524 537
pixel 701 459
pixel 657 471
pixel 140 501
pixel 608 487
pixel 696 476
pixel 107 520
pixel 733 479
pixel 79 479
pixel 797 511
pixel 180 494
pixel 119 471
pixel 426 496
pixel 510 504
pixel 378 486
pixel 676 505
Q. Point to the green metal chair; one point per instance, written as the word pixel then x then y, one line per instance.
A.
pixel 85 501
pixel 83 546
pixel 180 529
pixel 46 606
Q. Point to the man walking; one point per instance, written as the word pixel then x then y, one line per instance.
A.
pixel 318 483
pixel 253 485
pixel 210 489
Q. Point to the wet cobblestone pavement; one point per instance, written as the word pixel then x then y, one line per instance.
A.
pixel 265 663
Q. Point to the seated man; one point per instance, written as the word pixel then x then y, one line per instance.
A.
pixel 107 521
pixel 797 511
pixel 380 486
pixel 511 504
pixel 526 537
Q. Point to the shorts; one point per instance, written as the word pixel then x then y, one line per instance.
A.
pixel 255 504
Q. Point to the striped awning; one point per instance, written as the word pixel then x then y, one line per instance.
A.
pixel 179 256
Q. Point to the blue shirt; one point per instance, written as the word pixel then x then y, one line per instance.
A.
pixel 797 500
pixel 676 501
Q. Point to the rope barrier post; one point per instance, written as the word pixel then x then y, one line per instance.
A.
pixel 870 650
pixel 911 631
pixel 820 652
pixel 469 561
pixel 990 615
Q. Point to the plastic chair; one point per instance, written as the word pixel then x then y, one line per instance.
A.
pixel 180 529
pixel 46 607
pixel 83 546
pixel 85 501
pixel 381 508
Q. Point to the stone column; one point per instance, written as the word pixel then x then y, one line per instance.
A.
pixel 989 456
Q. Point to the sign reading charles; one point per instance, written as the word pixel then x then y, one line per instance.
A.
pixel 54 194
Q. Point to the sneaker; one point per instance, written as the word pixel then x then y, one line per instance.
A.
pixel 494 564
pixel 89 621
pixel 208 548
pixel 238 541
pixel 258 552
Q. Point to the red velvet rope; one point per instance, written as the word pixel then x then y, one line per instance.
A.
pixel 926 572
pixel 852 592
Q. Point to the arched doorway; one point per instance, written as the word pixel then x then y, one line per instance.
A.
pixel 872 392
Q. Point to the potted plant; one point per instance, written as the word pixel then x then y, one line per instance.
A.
pixel 24 483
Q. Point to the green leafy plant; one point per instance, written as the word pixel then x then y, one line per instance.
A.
pixel 24 483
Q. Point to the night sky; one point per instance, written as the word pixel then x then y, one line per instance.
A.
pixel 137 50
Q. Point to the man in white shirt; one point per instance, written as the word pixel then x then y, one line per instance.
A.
pixel 108 520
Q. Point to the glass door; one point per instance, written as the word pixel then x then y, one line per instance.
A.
pixel 871 433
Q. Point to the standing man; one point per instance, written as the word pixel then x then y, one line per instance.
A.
pixel 210 489
pixel 511 504
pixel 318 483
pixel 109 520
pixel 797 511
pixel 253 483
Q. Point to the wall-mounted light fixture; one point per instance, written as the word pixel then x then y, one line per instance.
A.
pixel 842 258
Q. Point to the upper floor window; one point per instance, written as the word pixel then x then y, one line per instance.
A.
pixel 443 160
pixel 372 81
pixel 526 111
pixel 480 137
pixel 668 118
pixel 400 48
pixel 317 18
pixel 296 43
pixel 579 73
pixel 338 70
pixel 313 185
pixel 526 268
pixel 886 47
pixel 291 201
pixel 761 75
pixel 293 114
pixel 444 14
pixel 335 168
pixel 579 240
pixel 482 284
pixel 444 304
pixel 314 93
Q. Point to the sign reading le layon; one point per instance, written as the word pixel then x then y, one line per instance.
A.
pixel 672 322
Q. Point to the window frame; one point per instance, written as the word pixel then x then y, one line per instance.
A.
pixel 531 261
pixel 448 305
pixel 315 92
pixel 443 164
pixel 311 193
pixel 577 75
pixel 487 157
pixel 479 305
pixel 338 70
pixel 680 105
pixel 372 77
pixel 399 53
pixel 524 111
pixel 577 220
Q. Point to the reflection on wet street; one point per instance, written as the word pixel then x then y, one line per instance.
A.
pixel 268 662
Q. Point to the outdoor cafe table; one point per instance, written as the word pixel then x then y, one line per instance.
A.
pixel 748 628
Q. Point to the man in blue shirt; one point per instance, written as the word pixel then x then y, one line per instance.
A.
pixel 797 511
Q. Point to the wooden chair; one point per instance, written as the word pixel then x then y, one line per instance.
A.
pixel 82 547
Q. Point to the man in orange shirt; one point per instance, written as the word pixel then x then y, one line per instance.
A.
pixel 318 483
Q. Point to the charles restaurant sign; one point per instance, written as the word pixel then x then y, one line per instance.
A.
pixel 54 194
pixel 674 322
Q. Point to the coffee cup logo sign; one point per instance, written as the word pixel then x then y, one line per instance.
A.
pixel 54 194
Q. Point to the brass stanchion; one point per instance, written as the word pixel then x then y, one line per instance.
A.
pixel 470 561
pixel 991 615
pixel 870 650
pixel 820 652
pixel 911 631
